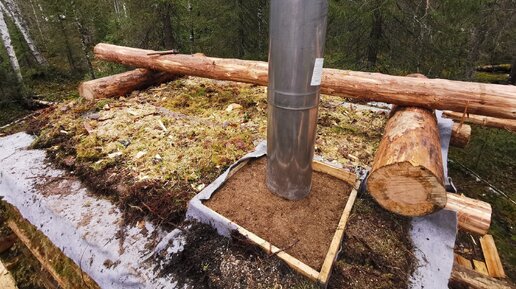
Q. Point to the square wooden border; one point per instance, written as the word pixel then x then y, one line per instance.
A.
pixel 322 276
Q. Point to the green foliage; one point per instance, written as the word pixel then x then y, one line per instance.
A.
pixel 439 38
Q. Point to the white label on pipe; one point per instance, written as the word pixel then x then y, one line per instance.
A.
pixel 317 75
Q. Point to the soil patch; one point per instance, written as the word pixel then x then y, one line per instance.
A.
pixel 304 229
pixel 212 261
pixel 377 251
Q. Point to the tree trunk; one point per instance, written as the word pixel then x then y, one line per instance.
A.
pixel 84 36
pixel 6 40
pixel 507 124
pixel 407 174
pixel 461 134
pixel 123 83
pixel 473 215
pixel 69 54
pixel 485 99
pixel 14 11
pixel 374 39
pixel 36 17
pixel 168 33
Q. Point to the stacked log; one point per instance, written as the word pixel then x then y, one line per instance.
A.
pixel 474 216
pixel 123 83
pixel 407 174
pixel 507 124
pixel 484 99
pixel 462 277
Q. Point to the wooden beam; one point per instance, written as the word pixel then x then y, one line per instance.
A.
pixel 122 83
pixel 335 172
pixel 507 124
pixel 484 99
pixel 331 256
pixel 493 262
pixel 42 260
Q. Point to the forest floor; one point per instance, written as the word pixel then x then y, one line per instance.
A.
pixel 154 150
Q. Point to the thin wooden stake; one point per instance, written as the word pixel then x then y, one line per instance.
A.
pixel 493 262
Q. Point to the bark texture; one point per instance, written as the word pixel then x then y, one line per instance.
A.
pixel 14 11
pixel 485 99
pixel 123 83
pixel 407 175
pixel 6 40
pixel 473 215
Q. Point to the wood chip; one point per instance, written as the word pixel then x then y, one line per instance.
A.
pixel 480 267
pixel 463 261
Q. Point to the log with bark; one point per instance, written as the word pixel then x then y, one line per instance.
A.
pixel 461 135
pixel 494 68
pixel 464 278
pixel 485 99
pixel 473 215
pixel 123 83
pixel 508 124
pixel 407 175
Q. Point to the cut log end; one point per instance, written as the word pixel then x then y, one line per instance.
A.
pixel 407 190
pixel 86 92
pixel 473 215
pixel 461 134
pixel 122 83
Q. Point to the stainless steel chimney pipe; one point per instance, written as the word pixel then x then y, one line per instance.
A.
pixel 297 36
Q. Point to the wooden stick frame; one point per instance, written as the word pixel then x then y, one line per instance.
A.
pixel 321 277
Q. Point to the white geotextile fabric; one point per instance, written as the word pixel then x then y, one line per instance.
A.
pixel 90 243
pixel 434 235
pixel 83 226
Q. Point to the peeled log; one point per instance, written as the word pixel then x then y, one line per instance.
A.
pixel 461 134
pixel 484 99
pixel 122 83
pixel 407 175
pixel 473 215
pixel 508 124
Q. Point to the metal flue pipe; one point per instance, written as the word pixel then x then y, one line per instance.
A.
pixel 297 36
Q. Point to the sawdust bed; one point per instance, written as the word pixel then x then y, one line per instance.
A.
pixel 304 229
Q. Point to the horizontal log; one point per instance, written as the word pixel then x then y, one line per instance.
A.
pixel 484 99
pixel 123 83
pixel 461 135
pixel 500 68
pixel 473 215
pixel 407 175
pixel 464 278
pixel 508 124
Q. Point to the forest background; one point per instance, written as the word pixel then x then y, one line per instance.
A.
pixel 53 39
pixel 47 50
